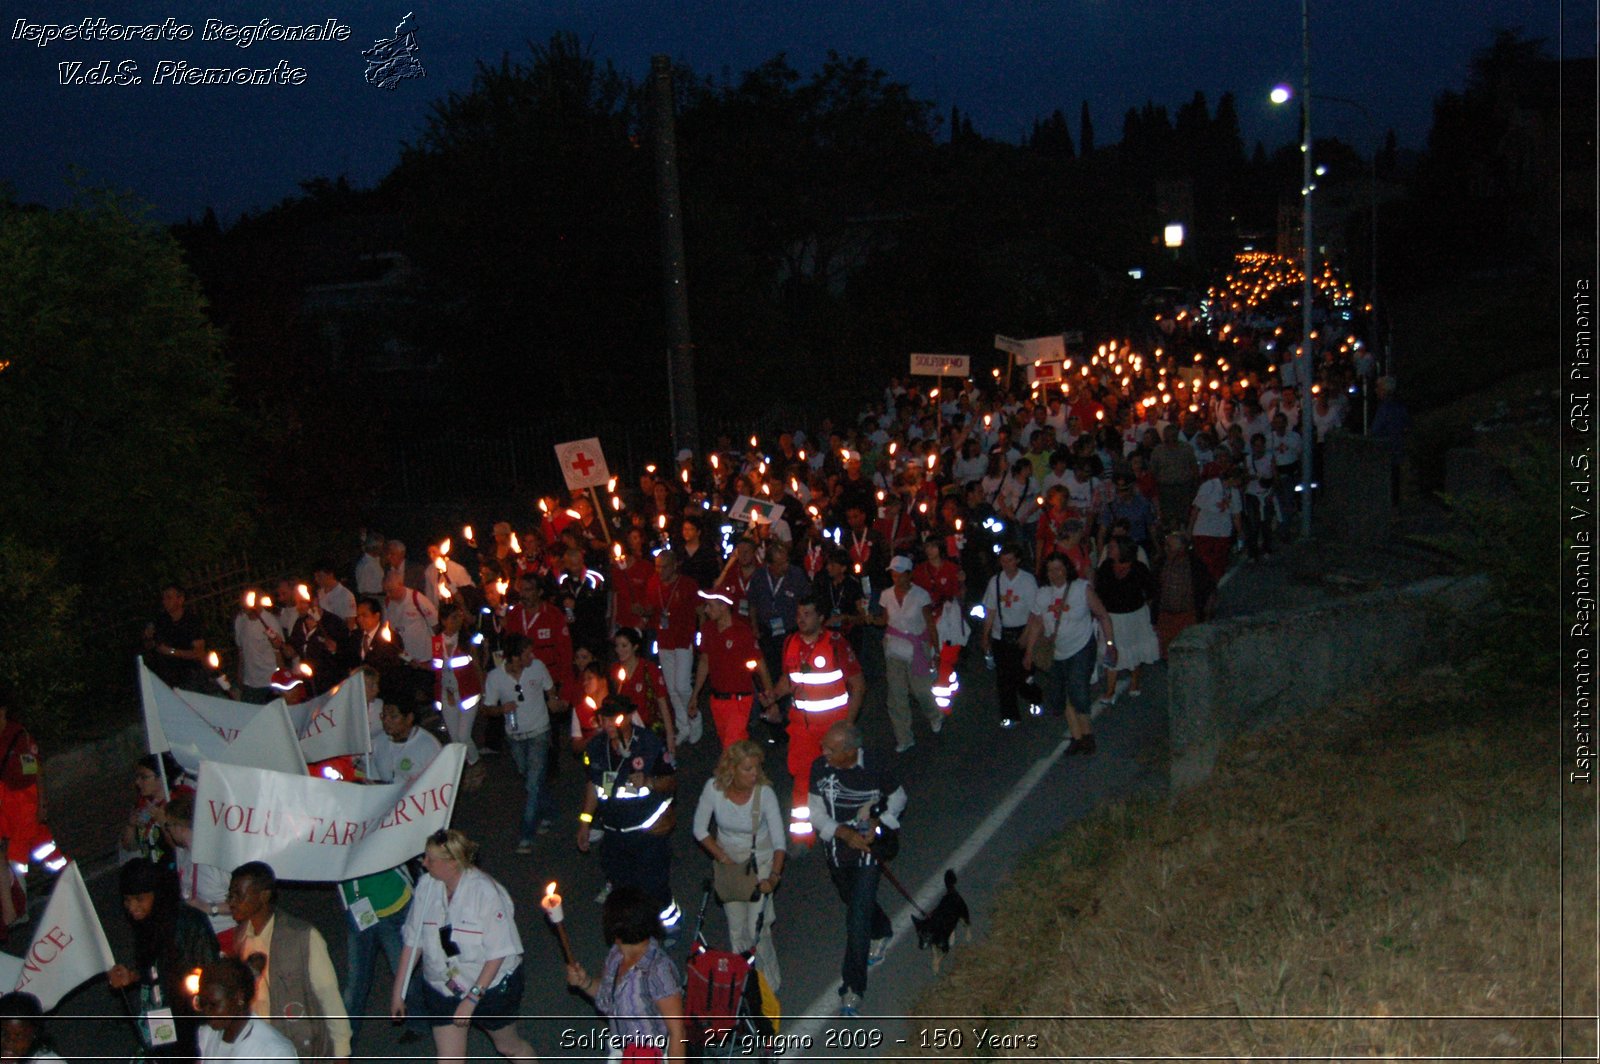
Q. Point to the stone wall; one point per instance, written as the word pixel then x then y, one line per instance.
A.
pixel 1229 677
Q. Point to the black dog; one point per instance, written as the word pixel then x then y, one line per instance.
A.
pixel 938 928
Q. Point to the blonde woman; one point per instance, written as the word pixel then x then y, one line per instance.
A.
pixel 462 926
pixel 740 798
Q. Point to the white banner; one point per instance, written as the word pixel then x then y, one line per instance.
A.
pixel 582 463
pixel 69 946
pixel 1043 349
pixel 318 830
pixel 196 728
pixel 335 723
pixel 940 365
pixel 1007 344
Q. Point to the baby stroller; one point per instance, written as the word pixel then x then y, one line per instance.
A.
pixel 731 1011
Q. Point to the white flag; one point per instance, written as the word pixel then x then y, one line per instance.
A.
pixel 196 728
pixel 335 723
pixel 319 830
pixel 69 946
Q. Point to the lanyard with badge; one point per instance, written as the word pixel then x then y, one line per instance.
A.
pixel 775 622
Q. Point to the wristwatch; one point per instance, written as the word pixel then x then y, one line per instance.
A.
pixel 213 908
pixel 476 992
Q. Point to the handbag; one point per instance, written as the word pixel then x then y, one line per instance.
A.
pixel 1044 649
pixel 741 882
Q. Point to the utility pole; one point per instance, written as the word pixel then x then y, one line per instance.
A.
pixel 680 354
pixel 1306 362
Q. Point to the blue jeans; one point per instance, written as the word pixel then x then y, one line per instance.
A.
pixel 361 953
pixel 1068 681
pixel 865 920
pixel 531 755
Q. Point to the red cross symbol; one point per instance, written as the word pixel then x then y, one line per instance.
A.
pixel 1222 505
pixel 1010 598
pixel 1059 606
pixel 583 463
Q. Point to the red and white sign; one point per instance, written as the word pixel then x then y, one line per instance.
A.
pixel 583 464
pixel 69 946
pixel 317 830
pixel 940 365
pixel 1044 373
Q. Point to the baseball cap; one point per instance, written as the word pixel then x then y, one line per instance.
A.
pixel 900 564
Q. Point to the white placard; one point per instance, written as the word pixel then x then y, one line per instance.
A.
pixel 69 946
pixel 940 365
pixel 195 728
pixel 755 511
pixel 583 464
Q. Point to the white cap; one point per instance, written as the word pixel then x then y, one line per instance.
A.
pixel 900 564
pixel 685 455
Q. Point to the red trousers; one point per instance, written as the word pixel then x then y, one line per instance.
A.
pixel 731 717
pixel 805 746
pixel 1213 553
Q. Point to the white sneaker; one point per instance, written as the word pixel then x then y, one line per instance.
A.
pixel 849 1004
pixel 903 747
pixel 879 950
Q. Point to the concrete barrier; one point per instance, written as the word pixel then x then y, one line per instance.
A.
pixel 1355 501
pixel 1229 677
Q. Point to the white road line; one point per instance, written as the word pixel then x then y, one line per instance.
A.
pixel 823 1010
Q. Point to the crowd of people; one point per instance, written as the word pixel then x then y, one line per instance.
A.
pixel 1067 532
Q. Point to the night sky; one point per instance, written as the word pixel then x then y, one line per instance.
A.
pixel 1003 62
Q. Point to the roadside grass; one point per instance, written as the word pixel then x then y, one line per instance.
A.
pixel 1380 879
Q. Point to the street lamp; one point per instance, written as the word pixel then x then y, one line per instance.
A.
pixel 1282 94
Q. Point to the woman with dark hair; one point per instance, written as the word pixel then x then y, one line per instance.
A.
pixel 638 988
pixel 141 834
pixel 1126 587
pixel 641 683
pixel 170 940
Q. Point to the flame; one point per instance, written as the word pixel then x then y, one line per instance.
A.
pixel 544 507
pixel 305 669
pixel 588 700
pixel 266 602
pixel 616 503
pixel 439 563
pixel 213 661
pixel 191 983
pixel 444 547
pixel 386 634
pixel 958 524
pixel 751 664
pixel 616 550
pixel 575 515
pixel 651 469
pixel 685 475
pixel 880 495
pixel 858 568
pixel 466 533
pixel 893 447
pixel 802 454
pixel 934 394
pixel 550 891
pixel 515 545
pixel 1099 415
pixel 303 591
pixel 444 591
pixel 502 586
pixel 249 600
pixel 620 719
pixel 933 460
pixel 611 485
pixel 714 462
pixel 661 522
pixel 922 507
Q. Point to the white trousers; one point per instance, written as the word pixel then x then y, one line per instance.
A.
pixel 677 668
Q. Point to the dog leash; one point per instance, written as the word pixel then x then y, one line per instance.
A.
pixel 894 881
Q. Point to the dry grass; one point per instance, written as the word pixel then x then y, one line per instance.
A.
pixel 1386 866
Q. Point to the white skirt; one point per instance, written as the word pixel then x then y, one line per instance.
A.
pixel 1135 638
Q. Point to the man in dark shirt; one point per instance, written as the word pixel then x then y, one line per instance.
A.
pixel 173 646
pixel 582 593
pixel 854 796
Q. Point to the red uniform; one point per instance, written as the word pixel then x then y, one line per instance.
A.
pixel 729 652
pixel 26 838
pixel 676 605
pixel 899 531
pixel 819 672
pixel 634 588
pixel 549 633
pixel 644 687
pixel 736 585
pixel 943 585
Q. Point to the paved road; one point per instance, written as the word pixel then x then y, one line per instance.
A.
pixel 981 799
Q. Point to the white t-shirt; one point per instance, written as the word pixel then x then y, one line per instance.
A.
pixel 532 714
pixel 208 883
pixel 483 926
pixel 1257 468
pixel 1076 624
pixel 258 1042
pixel 412 619
pixel 907 617
pixel 258 660
pixel 1285 449
pixel 369 576
pixel 1217 504
pixel 338 601
pixel 1010 600
pixel 394 762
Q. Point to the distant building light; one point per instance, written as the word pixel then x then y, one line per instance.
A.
pixel 1136 273
pixel 1173 235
